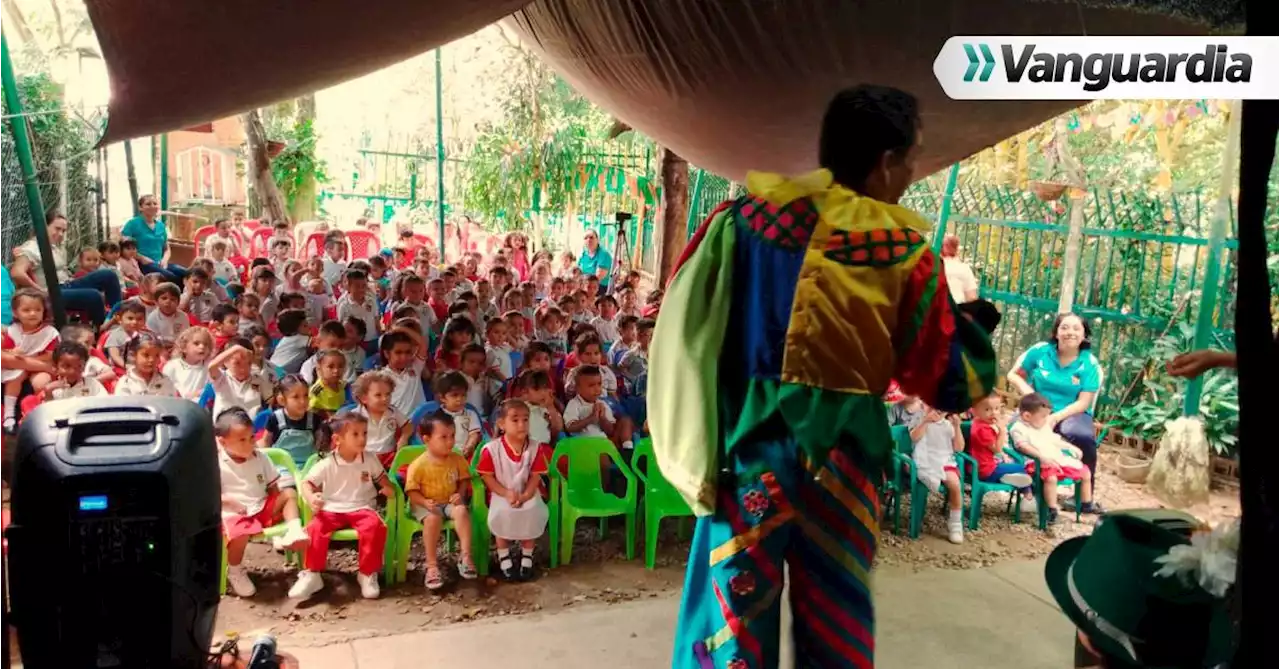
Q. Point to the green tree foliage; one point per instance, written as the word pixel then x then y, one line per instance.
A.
pixel 298 161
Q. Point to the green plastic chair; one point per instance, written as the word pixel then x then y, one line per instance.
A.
pixel 895 484
pixel 1042 510
pixel 968 469
pixel 407 526
pixel 581 493
pixel 661 500
pixel 480 536
pixel 280 459
pixel 389 515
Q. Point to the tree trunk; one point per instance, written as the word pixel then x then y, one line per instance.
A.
pixel 260 168
pixel 675 213
pixel 303 207
pixel 18 22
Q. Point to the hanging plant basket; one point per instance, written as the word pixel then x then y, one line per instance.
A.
pixel 1048 191
pixel 274 148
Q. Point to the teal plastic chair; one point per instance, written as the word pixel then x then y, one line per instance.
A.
pixel 900 479
pixel 661 500
pixel 389 516
pixel 1042 509
pixel 979 489
pixel 581 494
pixel 407 526
pixel 280 459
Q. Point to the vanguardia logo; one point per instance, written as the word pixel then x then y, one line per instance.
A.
pixel 1067 68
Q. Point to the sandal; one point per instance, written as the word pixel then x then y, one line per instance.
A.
pixel 434 582
pixel 465 569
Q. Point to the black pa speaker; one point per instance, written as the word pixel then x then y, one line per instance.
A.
pixel 115 541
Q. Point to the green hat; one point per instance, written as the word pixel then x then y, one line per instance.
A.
pixel 1107 585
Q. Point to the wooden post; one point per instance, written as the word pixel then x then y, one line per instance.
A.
pixel 1076 197
pixel 675 210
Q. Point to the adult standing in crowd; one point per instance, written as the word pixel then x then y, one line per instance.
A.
pixel 960 279
pixel 595 260
pixel 153 241
pixel 1065 371
pixel 86 293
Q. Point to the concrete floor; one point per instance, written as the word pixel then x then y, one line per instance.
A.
pixel 997 617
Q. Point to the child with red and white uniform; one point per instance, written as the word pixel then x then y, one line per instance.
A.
pixel 512 467
pixel 252 499
pixel 342 490
pixel 29 337
pixel 69 360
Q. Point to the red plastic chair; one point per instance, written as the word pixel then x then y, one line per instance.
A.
pixel 201 234
pixel 259 244
pixel 362 244
pixel 313 247
pixel 252 225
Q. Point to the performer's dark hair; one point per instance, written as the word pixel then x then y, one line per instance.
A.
pixel 860 124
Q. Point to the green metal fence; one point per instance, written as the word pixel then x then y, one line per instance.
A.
pixel 1142 262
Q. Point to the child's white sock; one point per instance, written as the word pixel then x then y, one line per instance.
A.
pixel 10 406
pixel 295 524
pixel 627 445
pixel 954 517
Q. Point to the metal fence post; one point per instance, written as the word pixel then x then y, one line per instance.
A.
pixel 1213 264
pixel 944 213
pixel 440 152
pixel 22 145
pixel 694 211
pixel 63 200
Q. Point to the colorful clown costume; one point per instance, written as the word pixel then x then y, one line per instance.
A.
pixel 790 312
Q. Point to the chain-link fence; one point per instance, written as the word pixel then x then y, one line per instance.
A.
pixel 68 168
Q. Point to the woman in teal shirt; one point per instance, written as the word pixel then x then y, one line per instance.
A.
pixel 1064 370
pixel 153 241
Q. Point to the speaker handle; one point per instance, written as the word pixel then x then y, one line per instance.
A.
pixel 116 448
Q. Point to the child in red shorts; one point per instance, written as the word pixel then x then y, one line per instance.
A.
pixel 251 500
pixel 1034 436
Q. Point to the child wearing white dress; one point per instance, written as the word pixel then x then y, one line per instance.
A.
pixel 188 369
pixel 512 467
pixel 936 437
pixel 31 338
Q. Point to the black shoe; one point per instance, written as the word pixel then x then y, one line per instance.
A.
pixel 1053 516
pixel 508 568
pixel 526 570
pixel 1093 508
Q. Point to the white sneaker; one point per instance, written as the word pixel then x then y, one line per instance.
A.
pixel 368 585
pixel 955 533
pixel 239 583
pixel 309 583
pixel 294 535
pixel 1016 479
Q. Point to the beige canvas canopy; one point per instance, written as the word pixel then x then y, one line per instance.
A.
pixel 731 85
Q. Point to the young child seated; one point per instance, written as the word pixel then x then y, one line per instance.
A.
pixel 588 350
pixel 143 377
pixel 359 303
pixel 451 389
pixel 335 258
pixel 263 284
pixel 1034 436
pixel 109 255
pixel 223 269
pixel 198 300
pixel 634 364
pixel 224 323
pixel 69 360
pixel 96 365
pixel 329 392
pixel 292 351
pixel 626 339
pixel 479 389
pixel 438 486
pixel 188 368
pixel 415 290
pixel 252 499
pixel 88 261
pixel 545 421
pixel 31 339
pixel 399 349
pixel 281 254
pixel 587 414
pixel 128 262
pixel 498 361
pixel 458 334
pixel 330 336
pixel 342 490
pixel 552 331
pixel 168 321
pixel 987 441
pixel 606 322
pixel 354 347
pixel 389 429
pixel 291 427
pixel 233 380
pixel 512 467
pixel 131 319
pixel 936 438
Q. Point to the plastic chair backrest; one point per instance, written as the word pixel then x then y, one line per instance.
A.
pixel 202 232
pixel 313 247
pixel 643 453
pixel 1102 379
pixel 362 244
pixel 258 245
pixel 584 459
pixel 252 225
pixel 421 412
pixel 260 423
pixel 404 456
pixel 373 361
pixel 206 397
pixel 901 439
pixel 280 458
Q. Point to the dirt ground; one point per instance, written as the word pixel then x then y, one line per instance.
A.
pixel 599 572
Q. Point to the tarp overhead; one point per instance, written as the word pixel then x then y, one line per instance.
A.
pixel 177 63
pixel 731 85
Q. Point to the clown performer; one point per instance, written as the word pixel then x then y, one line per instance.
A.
pixel 776 435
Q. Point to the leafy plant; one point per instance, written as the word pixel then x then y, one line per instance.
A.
pixel 297 161
pixel 1156 400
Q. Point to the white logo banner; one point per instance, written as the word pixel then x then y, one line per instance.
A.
pixel 986 67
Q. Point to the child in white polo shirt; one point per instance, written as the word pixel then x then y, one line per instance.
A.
pixel 234 383
pixel 401 350
pixel 342 490
pixel 251 499
pixel 389 429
